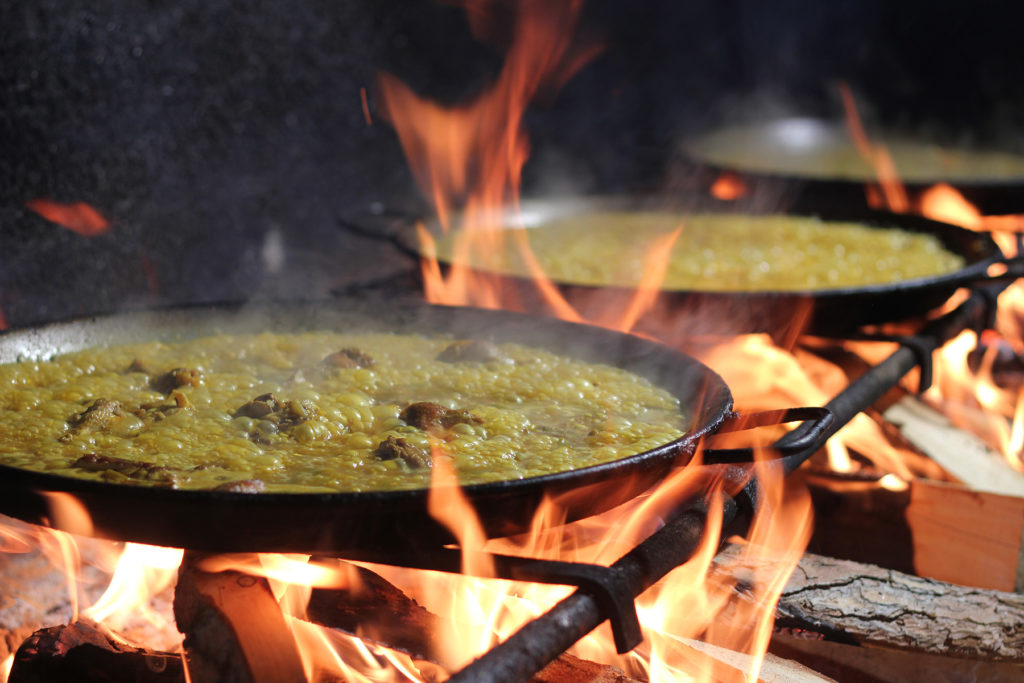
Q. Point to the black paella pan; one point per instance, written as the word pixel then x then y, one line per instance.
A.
pixel 230 521
pixel 813 163
pixel 838 311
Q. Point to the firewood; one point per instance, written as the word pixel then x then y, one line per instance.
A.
pixel 374 605
pixel 83 651
pixel 772 669
pixel 570 669
pixel 877 665
pixel 869 605
pixel 234 629
pixel 374 609
pixel 34 594
pixel 941 531
pixel 961 453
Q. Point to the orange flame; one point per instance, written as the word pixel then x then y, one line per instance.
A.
pixel 472 155
pixel 894 193
pixel 728 187
pixel 78 217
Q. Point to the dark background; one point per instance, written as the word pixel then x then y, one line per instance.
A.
pixel 225 140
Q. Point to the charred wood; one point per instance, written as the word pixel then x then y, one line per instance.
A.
pixel 372 608
pixel 82 651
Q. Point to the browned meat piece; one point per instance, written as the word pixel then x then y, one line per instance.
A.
pixel 472 350
pixel 91 462
pixel 243 486
pixel 292 413
pixel 394 447
pixel 259 407
pixel 159 411
pixel 173 379
pixel 94 418
pixel 433 416
pixel 139 365
pixel 349 358
pixel 275 416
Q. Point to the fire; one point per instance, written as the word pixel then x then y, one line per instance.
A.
pixel 969 395
pixel 78 217
pixel 728 187
pixel 893 193
pixel 467 159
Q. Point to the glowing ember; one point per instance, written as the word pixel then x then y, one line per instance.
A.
pixel 728 187
pixel 78 217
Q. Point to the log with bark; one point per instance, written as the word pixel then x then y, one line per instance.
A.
pixel 868 605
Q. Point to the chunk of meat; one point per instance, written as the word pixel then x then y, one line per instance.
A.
pixel 139 365
pixel 160 411
pixel 292 413
pixel 243 486
pixel 275 415
pixel 433 416
pixel 94 418
pixel 471 350
pixel 396 447
pixel 142 471
pixel 174 379
pixel 349 358
pixel 259 407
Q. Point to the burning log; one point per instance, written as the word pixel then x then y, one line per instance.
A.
pixel 869 605
pixel 961 453
pixel 234 629
pixel 83 651
pixel 34 593
pixel 375 609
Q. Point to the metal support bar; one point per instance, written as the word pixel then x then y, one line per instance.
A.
pixel 545 638
pixel 872 385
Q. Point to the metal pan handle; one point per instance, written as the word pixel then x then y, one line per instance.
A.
pixel 383 225
pixel 817 422
pixel 1014 271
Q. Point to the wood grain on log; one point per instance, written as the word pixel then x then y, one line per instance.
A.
pixel 234 629
pixel 870 605
pixel 942 531
pixel 876 665
pixel 960 452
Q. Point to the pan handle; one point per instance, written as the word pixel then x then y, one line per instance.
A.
pixel 817 422
pixel 384 225
pixel 1014 271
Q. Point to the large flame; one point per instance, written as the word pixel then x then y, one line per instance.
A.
pixel 468 159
